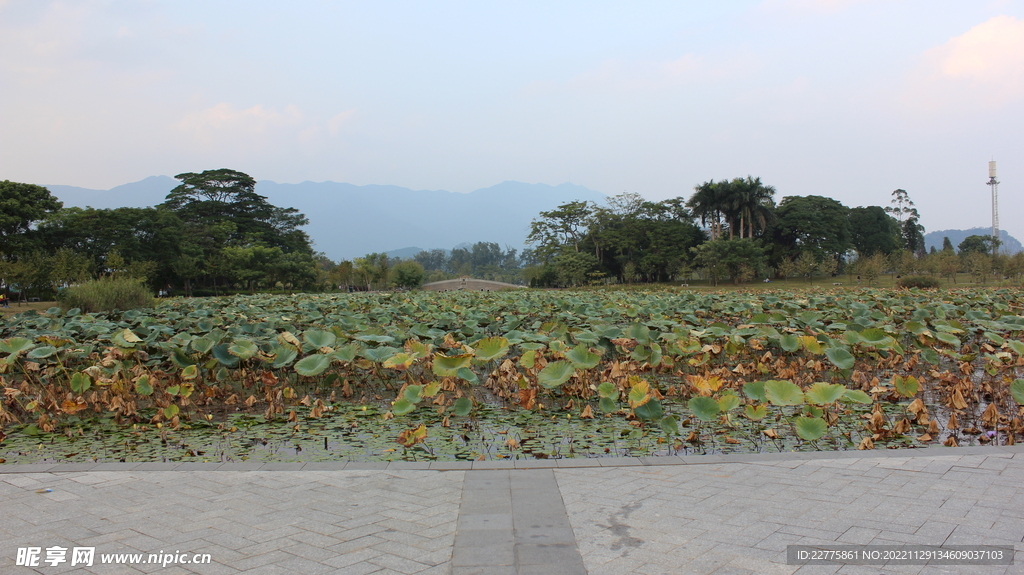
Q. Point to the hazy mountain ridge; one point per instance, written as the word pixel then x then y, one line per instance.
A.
pixel 348 221
pixel 1010 244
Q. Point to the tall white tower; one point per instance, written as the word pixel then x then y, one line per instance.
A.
pixel 995 199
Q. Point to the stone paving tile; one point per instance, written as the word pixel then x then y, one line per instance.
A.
pixel 744 514
pixel 306 521
pixel 718 514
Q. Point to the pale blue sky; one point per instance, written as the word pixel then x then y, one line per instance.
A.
pixel 846 98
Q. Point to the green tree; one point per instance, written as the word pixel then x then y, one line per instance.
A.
pixel 213 197
pixel 871 267
pixel 21 206
pixel 738 259
pixel 873 231
pixel 136 234
pixel 947 246
pixel 374 269
pixel 978 244
pixel 560 227
pixel 573 267
pixel 813 223
pixel 408 274
pixel 979 265
pixel 806 265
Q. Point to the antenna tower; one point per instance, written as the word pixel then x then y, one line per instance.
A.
pixel 994 183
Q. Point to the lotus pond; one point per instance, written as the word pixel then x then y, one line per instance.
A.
pixel 457 375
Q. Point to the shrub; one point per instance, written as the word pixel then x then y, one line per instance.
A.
pixel 107 294
pixel 918 282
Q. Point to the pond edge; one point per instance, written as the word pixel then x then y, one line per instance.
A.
pixel 932 451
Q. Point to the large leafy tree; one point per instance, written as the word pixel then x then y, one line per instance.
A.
pixel 912 232
pixel 136 234
pixel 563 226
pixel 742 205
pixel 21 206
pixel 224 203
pixel 739 259
pixel 813 223
pixel 874 231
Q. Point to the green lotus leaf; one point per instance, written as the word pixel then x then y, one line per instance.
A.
pixel 41 352
pixel 639 332
pixel 705 408
pixel 857 396
pixel 930 355
pixel 142 386
pixel 412 393
pixel 284 355
pixel 312 365
pixel 190 372
pixel 906 386
pixel 202 344
pixel 728 402
pixel 874 336
pixel 462 406
pixel 755 391
pixel 346 352
pixel 221 353
pixel 449 365
pixel 947 338
pixel 1017 391
pixel 402 406
pixel 670 425
pixel 468 375
pixel 840 357
pixel 1016 346
pixel 809 428
pixel 608 389
pixel 755 412
pixel 318 338
pixel 243 348
pixel 789 342
pixel 555 374
pixel 181 359
pixel 490 348
pixel 399 361
pixel 781 392
pixel 821 393
pixel 995 338
pixel 80 382
pixel 582 358
pixel 16 345
pixel 378 354
pixel 170 411
pixel 373 338
pixel 528 359
pixel 608 405
pixel 651 410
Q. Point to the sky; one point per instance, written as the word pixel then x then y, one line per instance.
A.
pixel 849 99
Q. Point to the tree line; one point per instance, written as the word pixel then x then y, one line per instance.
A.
pixel 212 233
pixel 733 230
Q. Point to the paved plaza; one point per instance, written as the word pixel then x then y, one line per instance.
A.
pixel 722 515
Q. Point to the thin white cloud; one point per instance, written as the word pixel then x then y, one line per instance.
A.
pixel 985 66
pixel 335 124
pixel 224 122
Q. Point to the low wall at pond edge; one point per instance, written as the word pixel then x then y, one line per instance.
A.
pixel 468 284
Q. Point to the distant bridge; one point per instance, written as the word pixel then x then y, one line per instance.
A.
pixel 468 284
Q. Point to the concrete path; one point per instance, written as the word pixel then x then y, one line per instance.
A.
pixel 713 514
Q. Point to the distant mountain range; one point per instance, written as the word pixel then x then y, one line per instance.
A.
pixel 1010 244
pixel 348 221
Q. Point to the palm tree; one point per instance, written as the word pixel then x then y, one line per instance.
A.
pixel 706 203
pixel 754 201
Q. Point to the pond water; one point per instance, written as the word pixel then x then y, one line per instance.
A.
pixel 360 433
